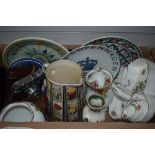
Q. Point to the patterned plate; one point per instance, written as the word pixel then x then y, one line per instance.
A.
pixel 93 57
pixel 38 48
pixel 134 50
pixel 124 54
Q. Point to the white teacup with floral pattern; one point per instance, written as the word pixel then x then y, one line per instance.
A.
pixel 150 87
pixel 132 79
pixel 98 94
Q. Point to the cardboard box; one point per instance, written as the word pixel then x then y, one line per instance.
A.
pixel 109 124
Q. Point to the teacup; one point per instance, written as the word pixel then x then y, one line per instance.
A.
pixel 93 116
pixel 99 80
pixel 98 93
pixel 97 101
pixel 150 88
pixel 136 109
pixel 132 79
pixel 63 91
pixel 116 108
pixel 151 110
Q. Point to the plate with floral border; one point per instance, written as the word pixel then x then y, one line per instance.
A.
pixel 41 49
pixel 134 50
pixel 93 57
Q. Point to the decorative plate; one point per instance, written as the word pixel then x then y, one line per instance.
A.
pixel 123 53
pixel 42 49
pixel 27 61
pixel 93 57
pixel 134 50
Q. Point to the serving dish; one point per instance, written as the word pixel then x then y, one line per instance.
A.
pixel 41 49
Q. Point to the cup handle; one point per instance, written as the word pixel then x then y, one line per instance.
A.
pixel 44 67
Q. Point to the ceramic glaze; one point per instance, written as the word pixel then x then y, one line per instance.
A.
pixel 63 90
pixel 116 108
pixel 21 112
pixel 93 116
pixel 98 88
pixel 133 79
pixel 93 57
pixel 131 47
pixel 41 49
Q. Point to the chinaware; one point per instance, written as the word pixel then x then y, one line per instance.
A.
pixel 96 101
pixel 149 88
pixel 116 108
pixel 99 80
pixel 63 90
pixel 93 57
pixel 134 50
pixel 132 79
pixel 97 88
pixel 41 49
pixel 21 112
pixel 27 62
pixel 136 109
pixel 151 111
pixel 93 116
pixel 124 54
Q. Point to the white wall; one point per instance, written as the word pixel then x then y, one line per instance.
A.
pixel 143 36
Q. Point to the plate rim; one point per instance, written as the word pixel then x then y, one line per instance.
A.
pixel 119 37
pixel 97 46
pixel 31 39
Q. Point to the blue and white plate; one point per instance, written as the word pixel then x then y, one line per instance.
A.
pixel 42 49
pixel 122 52
pixel 26 62
pixel 134 50
pixel 93 57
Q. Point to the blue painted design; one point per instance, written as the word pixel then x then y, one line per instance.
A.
pixel 51 56
pixel 87 64
pixel 124 55
pixel 27 61
pixel 34 50
pixel 44 51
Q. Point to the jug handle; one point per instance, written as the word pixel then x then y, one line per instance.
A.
pixel 44 67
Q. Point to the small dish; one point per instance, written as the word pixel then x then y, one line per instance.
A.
pixel 21 112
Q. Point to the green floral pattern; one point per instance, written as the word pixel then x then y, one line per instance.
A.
pixel 140 87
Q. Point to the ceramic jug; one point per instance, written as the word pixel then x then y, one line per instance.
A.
pixel 63 91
